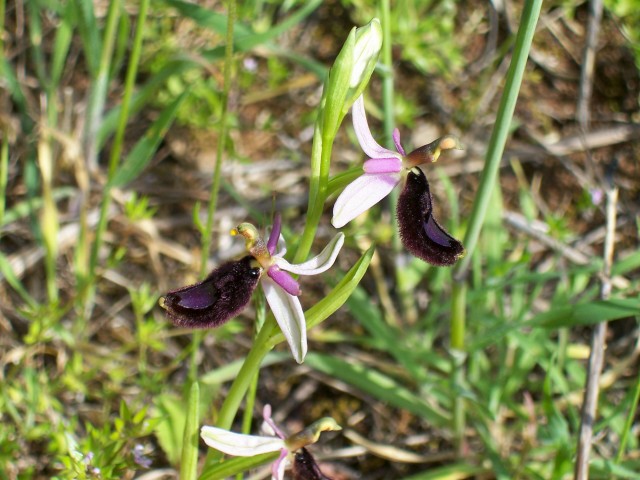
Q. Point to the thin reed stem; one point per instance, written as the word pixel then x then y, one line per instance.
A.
pixel 488 179
pixel 222 135
pixel 118 140
pixel 596 356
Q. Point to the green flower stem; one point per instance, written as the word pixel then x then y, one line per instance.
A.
pixel 317 192
pixel 243 380
pixel 488 179
pixel 628 424
pixel 217 171
pixel 222 134
pixel 130 80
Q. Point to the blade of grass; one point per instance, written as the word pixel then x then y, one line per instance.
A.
pixel 236 465
pixel 222 135
pixel 100 83
pixel 16 284
pixel 142 153
pixel 88 290
pixel 376 384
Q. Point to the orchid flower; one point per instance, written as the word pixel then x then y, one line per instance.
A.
pixel 227 290
pixel 274 440
pixel 280 288
pixel 420 233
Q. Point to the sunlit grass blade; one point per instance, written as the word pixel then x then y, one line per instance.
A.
pixel 89 33
pixel 61 43
pixel 563 316
pixel 16 284
pixel 143 151
pixel 377 384
pixel 244 37
pixel 191 437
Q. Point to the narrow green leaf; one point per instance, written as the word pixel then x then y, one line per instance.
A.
pixel 143 151
pixel 567 316
pixel 61 43
pixel 170 428
pixel 379 385
pixel 6 272
pixel 89 33
pixel 191 437
pixel 143 96
pixel 332 302
pixel 587 313
pixel 237 465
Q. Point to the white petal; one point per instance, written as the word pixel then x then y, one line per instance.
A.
pixel 289 315
pixel 362 194
pixel 318 264
pixel 239 444
pixel 365 139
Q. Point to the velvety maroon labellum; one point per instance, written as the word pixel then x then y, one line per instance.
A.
pixel 305 467
pixel 420 233
pixel 222 295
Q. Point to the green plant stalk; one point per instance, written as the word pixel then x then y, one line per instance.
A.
pixel 320 156
pixel 49 218
pixel 191 438
pixel 488 179
pixel 217 171
pixel 4 175
pixel 628 424
pixel 118 140
pixel 261 346
pixel 222 134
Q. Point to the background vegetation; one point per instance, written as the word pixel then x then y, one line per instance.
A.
pixel 111 119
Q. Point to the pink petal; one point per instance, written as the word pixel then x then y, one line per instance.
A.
pixel 279 466
pixel 362 194
pixel 383 165
pixel 275 234
pixel 366 140
pixel 396 140
pixel 285 280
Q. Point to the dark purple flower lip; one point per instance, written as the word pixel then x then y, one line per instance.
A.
pixel 305 467
pixel 420 232
pixel 222 295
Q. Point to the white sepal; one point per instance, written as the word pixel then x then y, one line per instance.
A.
pixel 239 444
pixel 318 264
pixel 289 315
